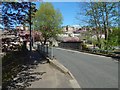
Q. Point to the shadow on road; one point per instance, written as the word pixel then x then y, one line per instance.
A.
pixel 17 69
pixel 116 58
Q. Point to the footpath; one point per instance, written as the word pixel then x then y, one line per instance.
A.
pixel 46 74
pixel 52 78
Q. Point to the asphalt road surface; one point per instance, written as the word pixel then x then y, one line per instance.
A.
pixel 91 71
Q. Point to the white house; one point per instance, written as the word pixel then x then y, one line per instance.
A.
pixel 95 36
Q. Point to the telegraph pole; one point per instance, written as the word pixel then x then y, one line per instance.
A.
pixel 30 28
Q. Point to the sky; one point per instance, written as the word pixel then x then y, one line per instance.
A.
pixel 69 12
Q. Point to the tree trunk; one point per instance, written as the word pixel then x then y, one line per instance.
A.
pixel 97 24
pixel 107 32
pixel 105 20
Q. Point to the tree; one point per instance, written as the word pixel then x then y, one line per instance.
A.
pixel 102 16
pixel 1 15
pixel 15 13
pixel 48 21
pixel 114 37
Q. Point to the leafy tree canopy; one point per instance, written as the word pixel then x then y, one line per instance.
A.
pixel 15 13
pixel 48 21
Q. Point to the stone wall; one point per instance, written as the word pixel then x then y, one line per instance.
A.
pixel 71 45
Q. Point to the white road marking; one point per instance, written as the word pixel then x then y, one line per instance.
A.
pixel 82 52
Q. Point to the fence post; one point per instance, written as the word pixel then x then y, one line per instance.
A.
pixel 38 47
pixel 47 49
pixel 52 52
pixel 42 48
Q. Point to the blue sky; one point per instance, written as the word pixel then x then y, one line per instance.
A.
pixel 69 11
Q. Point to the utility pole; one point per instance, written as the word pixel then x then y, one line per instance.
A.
pixel 30 28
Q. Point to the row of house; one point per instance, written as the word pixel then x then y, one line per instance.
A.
pixel 13 38
pixel 71 33
pixel 77 32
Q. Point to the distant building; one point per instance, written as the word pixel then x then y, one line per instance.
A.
pixel 77 31
pixel 70 29
pixel 23 33
pixel 22 27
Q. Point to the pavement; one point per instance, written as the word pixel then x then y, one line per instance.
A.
pixel 38 72
pixel 91 71
pixel 52 78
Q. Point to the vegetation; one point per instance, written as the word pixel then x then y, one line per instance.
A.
pixel 16 66
pixel 113 38
pixel 11 63
pixel 48 21
pixel 103 16
pixel 16 13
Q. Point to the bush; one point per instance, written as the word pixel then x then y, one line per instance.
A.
pixel 84 47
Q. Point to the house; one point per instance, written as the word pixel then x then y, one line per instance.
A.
pixel 68 28
pixel 23 33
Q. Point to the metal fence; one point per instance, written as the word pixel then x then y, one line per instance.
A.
pixel 46 50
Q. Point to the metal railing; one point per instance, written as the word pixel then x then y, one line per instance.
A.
pixel 46 50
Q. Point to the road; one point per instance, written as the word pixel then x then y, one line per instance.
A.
pixel 91 71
